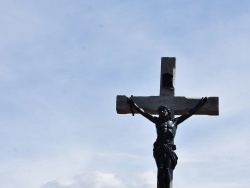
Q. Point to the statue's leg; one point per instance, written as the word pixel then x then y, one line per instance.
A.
pixel 160 171
pixel 158 155
pixel 168 172
pixel 164 178
pixel 169 182
pixel 160 178
pixel 165 172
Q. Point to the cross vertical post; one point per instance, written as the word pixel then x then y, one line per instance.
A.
pixel 167 80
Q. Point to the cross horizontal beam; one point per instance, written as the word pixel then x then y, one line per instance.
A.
pixel 180 105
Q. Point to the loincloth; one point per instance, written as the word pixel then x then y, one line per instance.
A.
pixel 163 154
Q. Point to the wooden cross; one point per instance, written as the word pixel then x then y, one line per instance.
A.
pixel 178 105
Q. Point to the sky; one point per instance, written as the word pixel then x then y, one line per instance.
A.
pixel 62 64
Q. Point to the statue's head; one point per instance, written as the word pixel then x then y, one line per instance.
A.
pixel 164 111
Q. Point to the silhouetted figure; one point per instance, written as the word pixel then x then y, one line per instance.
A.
pixel 166 126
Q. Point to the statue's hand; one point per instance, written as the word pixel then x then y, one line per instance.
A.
pixel 130 100
pixel 203 100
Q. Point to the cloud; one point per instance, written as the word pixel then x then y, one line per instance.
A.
pixel 89 180
pixel 106 180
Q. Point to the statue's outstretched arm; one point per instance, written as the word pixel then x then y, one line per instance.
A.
pixel 140 110
pixel 192 111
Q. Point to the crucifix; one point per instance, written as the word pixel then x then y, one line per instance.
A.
pixel 167 105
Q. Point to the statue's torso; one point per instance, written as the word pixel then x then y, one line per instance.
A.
pixel 165 132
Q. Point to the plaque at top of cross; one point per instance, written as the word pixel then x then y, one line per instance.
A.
pixel 179 104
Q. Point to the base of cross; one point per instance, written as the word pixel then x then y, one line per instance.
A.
pixel 180 105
